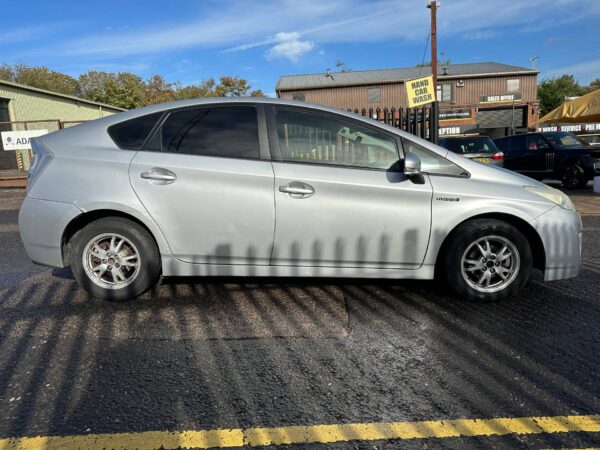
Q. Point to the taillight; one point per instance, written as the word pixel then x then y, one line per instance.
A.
pixel 498 155
pixel 41 158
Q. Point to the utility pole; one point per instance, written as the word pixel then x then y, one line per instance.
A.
pixel 433 5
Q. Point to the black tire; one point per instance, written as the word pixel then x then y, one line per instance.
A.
pixel 462 242
pixel 573 176
pixel 137 241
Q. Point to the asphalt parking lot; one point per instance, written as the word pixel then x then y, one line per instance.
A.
pixel 236 354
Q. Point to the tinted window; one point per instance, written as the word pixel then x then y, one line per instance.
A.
pixel 132 133
pixel 536 142
pixel 431 162
pixel 226 131
pixel 321 139
pixel 564 139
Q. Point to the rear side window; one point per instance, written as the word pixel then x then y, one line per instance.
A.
pixel 224 131
pixel 132 133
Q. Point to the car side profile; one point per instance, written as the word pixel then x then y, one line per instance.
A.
pixel 557 155
pixel 269 188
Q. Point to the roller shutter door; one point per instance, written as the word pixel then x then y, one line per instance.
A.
pixel 499 118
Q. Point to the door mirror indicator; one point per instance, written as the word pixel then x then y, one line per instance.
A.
pixel 412 164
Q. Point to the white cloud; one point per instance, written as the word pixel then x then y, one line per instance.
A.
pixel 290 46
pixel 584 72
pixel 224 28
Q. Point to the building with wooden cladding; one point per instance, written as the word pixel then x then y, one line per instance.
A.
pixel 487 98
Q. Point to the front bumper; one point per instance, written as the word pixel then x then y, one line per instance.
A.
pixel 561 234
pixel 42 224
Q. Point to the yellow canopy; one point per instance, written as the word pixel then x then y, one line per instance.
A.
pixel 583 109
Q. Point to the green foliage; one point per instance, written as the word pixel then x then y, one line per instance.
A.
pixel 553 91
pixel 40 77
pixel 594 85
pixel 124 89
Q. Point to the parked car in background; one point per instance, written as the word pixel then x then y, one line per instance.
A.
pixel 557 155
pixel 479 148
pixel 265 187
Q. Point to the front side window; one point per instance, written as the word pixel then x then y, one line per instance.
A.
pixel 225 131
pixel 132 133
pixel 431 162
pixel 320 139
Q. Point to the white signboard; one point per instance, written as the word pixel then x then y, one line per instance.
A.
pixel 19 140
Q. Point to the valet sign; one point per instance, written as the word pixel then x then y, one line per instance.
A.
pixel 19 140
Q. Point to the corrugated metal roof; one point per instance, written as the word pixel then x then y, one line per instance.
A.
pixel 58 94
pixel 363 77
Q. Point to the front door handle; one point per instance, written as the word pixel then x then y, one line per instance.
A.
pixel 163 176
pixel 297 189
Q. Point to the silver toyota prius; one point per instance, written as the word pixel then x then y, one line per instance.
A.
pixel 270 188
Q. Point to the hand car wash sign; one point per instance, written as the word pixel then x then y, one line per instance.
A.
pixel 19 140
pixel 420 91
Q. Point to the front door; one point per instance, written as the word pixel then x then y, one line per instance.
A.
pixel 340 198
pixel 207 188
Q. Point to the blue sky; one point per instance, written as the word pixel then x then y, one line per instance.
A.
pixel 188 41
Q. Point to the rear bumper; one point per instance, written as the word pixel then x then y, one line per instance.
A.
pixel 41 224
pixel 561 234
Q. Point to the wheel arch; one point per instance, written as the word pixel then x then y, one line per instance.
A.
pixel 532 236
pixel 90 216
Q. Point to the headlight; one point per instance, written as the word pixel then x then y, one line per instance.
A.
pixel 554 195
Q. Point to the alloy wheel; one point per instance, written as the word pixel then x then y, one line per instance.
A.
pixel 490 264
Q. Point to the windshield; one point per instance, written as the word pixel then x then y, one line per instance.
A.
pixel 562 139
pixel 466 146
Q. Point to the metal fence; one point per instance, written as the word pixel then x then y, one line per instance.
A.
pixel 20 160
pixel 421 121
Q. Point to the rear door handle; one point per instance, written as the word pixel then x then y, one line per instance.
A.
pixel 163 176
pixel 297 189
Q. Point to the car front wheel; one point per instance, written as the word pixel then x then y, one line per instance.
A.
pixel 573 177
pixel 114 259
pixel 487 260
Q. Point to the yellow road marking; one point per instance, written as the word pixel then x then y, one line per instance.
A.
pixel 309 434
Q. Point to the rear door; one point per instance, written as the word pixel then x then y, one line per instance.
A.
pixel 203 181
pixel 516 157
pixel 341 197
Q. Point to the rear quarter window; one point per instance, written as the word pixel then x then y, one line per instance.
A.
pixel 132 133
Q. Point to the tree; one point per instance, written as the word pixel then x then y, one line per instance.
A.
pixel 205 89
pixel 594 85
pixel 553 91
pixel 231 87
pixel 124 89
pixel 157 90
pixel 40 77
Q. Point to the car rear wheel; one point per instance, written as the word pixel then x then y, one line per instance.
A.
pixel 114 259
pixel 487 260
pixel 573 177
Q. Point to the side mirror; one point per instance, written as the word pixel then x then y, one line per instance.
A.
pixel 412 164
